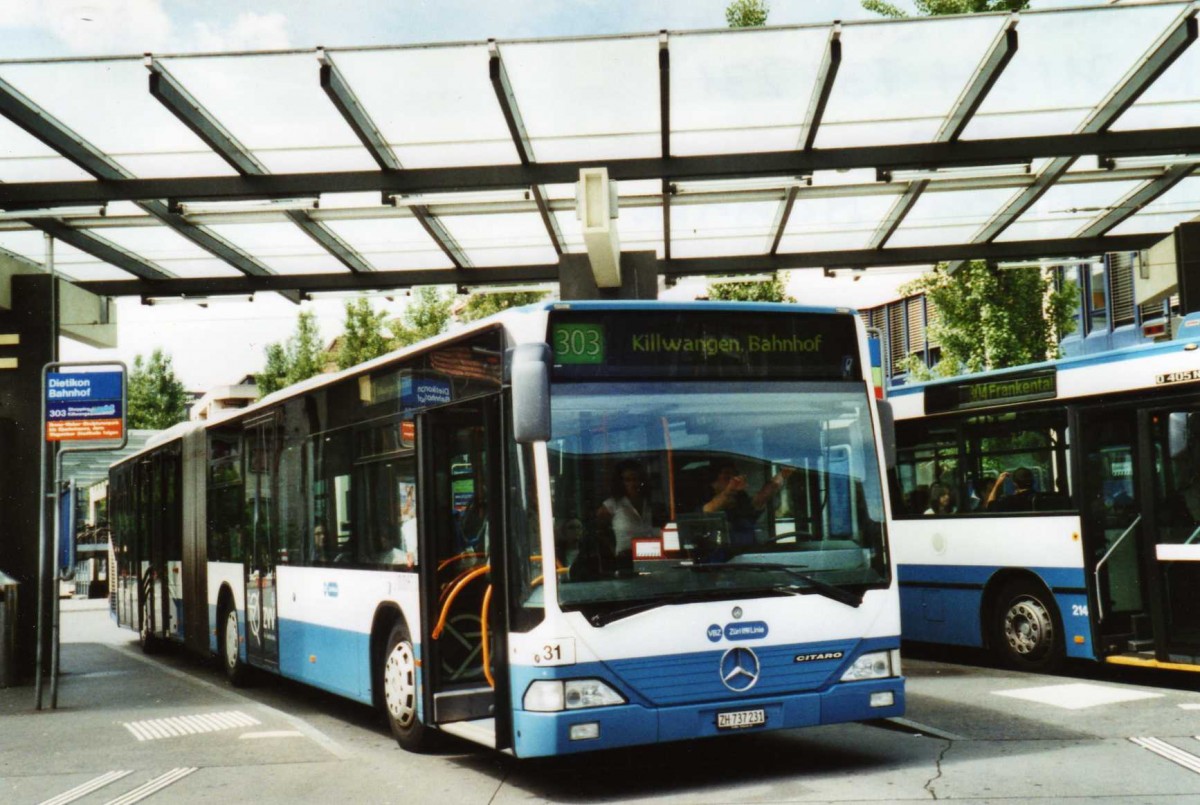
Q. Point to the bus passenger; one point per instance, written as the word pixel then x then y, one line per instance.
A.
pixel 1021 500
pixel 729 495
pixel 627 510
pixel 940 500
pixel 322 546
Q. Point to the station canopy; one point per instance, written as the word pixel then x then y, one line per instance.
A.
pixel 1048 134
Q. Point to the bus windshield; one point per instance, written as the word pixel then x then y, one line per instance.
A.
pixel 657 485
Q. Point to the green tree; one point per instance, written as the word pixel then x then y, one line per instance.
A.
pixel 427 315
pixel 363 334
pixel 747 13
pixel 482 305
pixel 991 319
pixel 938 8
pixel 299 358
pixel 771 290
pixel 156 397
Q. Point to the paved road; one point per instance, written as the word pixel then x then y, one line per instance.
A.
pixel 168 728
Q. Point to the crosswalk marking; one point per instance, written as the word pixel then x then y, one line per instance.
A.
pixel 1172 753
pixel 82 790
pixel 178 726
pixel 152 787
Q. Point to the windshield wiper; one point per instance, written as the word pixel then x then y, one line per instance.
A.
pixel 831 591
pixel 604 618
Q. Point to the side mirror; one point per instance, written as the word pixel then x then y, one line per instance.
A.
pixel 887 428
pixel 529 368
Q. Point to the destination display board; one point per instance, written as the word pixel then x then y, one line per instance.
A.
pixel 84 406
pixel 1037 384
pixel 704 344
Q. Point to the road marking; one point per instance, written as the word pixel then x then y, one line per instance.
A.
pixel 178 726
pixel 1171 753
pixel 313 734
pixel 80 791
pixel 909 725
pixel 1190 706
pixel 152 787
pixel 1077 696
pixel 247 736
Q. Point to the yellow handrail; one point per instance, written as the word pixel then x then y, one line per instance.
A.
pixel 441 624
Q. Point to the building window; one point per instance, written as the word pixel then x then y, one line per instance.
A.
pixel 1097 298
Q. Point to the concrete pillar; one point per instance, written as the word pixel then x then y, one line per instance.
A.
pixel 26 345
pixel 639 277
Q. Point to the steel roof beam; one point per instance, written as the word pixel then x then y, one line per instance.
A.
pixel 346 101
pixel 960 153
pixel 998 56
pixel 53 133
pixel 1160 55
pixel 175 97
pixel 102 249
pixel 822 88
pixel 1135 200
pixel 442 237
pixel 520 137
pixel 699 266
pixel 664 131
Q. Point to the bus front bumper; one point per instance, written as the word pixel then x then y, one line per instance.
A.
pixel 545 734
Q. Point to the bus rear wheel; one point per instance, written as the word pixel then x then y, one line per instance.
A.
pixel 235 670
pixel 399 680
pixel 1027 632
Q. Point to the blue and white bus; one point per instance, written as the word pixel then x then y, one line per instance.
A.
pixel 430 532
pixel 1053 511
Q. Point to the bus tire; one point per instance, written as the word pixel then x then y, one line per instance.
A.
pixel 1027 631
pixel 398 676
pixel 231 662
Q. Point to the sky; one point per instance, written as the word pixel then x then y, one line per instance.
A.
pixel 238 331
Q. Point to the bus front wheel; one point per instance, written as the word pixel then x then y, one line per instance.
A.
pixel 1027 631
pixel 399 678
pixel 235 670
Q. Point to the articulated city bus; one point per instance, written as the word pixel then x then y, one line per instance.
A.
pixel 1054 511
pixel 569 527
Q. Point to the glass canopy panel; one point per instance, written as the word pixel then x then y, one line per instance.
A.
pixel 273 104
pixel 169 250
pixel 23 158
pixel 720 230
pixel 948 216
pixel 888 79
pixel 1172 100
pixel 587 99
pixel 391 244
pixel 742 91
pixel 405 93
pixel 1065 208
pixel 1067 59
pixel 1179 204
pixel 820 224
pixel 284 248
pixel 502 239
pixel 109 105
pixel 27 244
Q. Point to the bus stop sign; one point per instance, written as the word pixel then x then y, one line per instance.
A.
pixel 82 406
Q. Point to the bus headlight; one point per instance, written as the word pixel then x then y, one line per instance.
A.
pixel 553 695
pixel 875 665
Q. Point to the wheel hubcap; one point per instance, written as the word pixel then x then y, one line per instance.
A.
pixel 400 684
pixel 1028 627
pixel 231 640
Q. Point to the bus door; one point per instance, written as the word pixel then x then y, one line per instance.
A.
pixel 461 564
pixel 1170 491
pixel 261 454
pixel 1112 528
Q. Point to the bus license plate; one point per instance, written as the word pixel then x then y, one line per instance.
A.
pixel 741 719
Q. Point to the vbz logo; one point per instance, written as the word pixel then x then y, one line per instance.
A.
pixel 715 632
